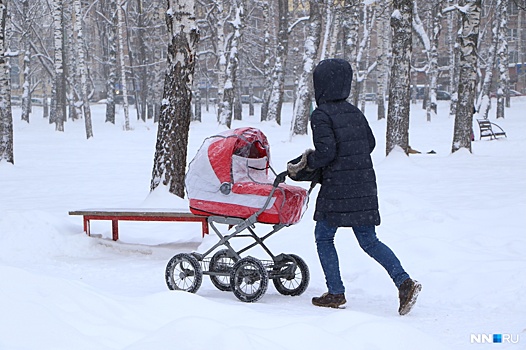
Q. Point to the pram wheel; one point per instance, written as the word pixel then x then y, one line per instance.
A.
pixel 249 279
pixel 184 272
pixel 223 263
pixel 291 275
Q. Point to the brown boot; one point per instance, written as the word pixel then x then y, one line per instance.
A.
pixel 330 300
pixel 407 293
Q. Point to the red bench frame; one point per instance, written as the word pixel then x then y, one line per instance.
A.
pixel 116 215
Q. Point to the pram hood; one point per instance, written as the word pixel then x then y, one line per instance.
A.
pixel 230 176
pixel 232 156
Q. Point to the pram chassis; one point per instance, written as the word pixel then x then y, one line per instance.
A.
pixel 247 277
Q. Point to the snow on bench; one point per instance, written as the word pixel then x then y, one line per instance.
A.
pixel 142 214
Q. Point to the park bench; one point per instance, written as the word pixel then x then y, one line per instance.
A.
pixel 116 215
pixel 486 129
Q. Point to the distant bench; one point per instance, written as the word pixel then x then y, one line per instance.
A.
pixel 486 129
pixel 116 215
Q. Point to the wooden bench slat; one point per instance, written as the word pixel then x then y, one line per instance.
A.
pixel 116 215
pixel 133 212
pixel 486 129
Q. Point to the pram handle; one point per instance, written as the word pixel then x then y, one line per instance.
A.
pixel 280 178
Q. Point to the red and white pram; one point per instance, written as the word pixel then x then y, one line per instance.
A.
pixel 230 176
pixel 229 181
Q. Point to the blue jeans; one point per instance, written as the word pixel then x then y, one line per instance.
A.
pixel 368 241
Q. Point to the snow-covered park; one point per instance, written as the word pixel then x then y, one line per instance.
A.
pixel 456 221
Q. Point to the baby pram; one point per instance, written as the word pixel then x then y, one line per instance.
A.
pixel 229 181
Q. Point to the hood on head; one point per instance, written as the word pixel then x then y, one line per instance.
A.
pixel 332 80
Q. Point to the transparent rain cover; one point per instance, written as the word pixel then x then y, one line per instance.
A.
pixel 230 175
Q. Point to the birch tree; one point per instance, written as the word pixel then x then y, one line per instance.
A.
pixel 71 72
pixel 364 50
pixel 237 109
pixel 453 54
pixel 58 105
pixel 502 53
pixel 278 73
pixel 6 117
pixel 156 67
pixel 142 76
pixel 521 55
pixel 484 100
pixel 82 71
pixel 399 87
pixel 335 31
pixel 26 67
pixel 221 56
pixel 174 121
pixel 300 119
pixel 232 64
pixel 329 26
pixel 267 72
pixel 122 64
pixel 112 62
pixel 382 59
pixel 350 52
pixel 419 28
pixel 468 39
pixel 251 98
pixel 436 28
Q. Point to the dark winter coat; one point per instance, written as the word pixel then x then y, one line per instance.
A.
pixel 343 144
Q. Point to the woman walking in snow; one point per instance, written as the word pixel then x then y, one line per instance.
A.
pixel 343 144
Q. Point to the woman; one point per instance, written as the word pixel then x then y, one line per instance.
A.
pixel 343 144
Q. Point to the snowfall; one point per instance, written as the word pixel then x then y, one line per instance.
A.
pixel 456 221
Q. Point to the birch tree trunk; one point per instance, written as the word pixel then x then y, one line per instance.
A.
pixel 71 71
pixel 26 87
pixel 278 75
pixel 420 30
pixel 232 64
pixel 329 25
pixel 351 25
pixel 122 64
pixel 484 99
pixel 468 39
pixel 221 54
pixel 58 106
pixel 335 32
pixel 436 18
pixel 112 63
pixel 251 98
pixel 45 107
pixel 6 117
pixel 155 72
pixel 238 106
pixel 174 121
pixel 365 46
pixel 382 59
pixel 82 71
pixel 302 105
pixel 267 72
pixel 502 53
pixel 453 58
pixel 399 87
pixel 143 75
pixel 521 57
pixel 197 117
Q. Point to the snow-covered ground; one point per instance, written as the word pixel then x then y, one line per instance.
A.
pixel 456 221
